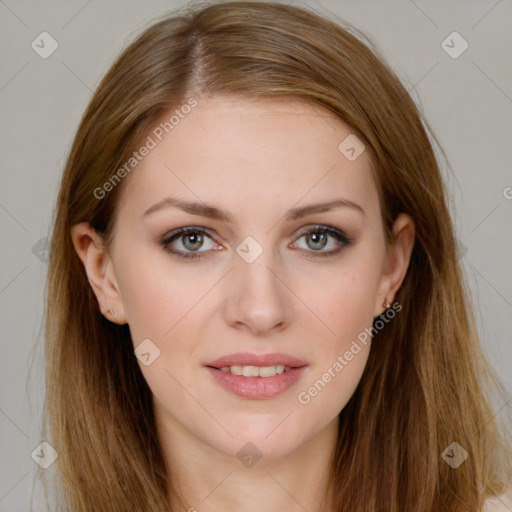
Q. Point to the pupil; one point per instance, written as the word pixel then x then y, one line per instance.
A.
pixel 316 237
pixel 196 241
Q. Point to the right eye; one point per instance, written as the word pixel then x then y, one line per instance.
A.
pixel 186 241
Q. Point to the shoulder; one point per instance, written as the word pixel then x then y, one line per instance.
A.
pixel 501 503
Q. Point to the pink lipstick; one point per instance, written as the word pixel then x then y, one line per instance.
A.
pixel 254 376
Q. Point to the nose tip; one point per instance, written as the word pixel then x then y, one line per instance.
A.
pixel 258 300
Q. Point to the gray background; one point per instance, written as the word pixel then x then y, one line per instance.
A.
pixel 467 100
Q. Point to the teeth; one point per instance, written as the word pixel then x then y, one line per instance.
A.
pixel 256 371
pixel 251 371
pixel 236 370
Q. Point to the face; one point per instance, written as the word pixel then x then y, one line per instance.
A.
pixel 259 272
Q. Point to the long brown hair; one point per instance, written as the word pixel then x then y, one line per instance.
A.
pixel 426 384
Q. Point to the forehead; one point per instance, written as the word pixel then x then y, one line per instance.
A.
pixel 238 152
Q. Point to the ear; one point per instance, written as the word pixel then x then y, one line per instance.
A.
pixel 100 271
pixel 397 261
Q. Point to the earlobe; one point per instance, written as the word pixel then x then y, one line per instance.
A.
pixel 98 267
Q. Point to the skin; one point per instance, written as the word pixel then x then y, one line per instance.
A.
pixel 255 160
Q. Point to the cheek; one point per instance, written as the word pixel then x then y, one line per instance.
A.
pixel 341 353
pixel 344 305
pixel 329 390
pixel 157 298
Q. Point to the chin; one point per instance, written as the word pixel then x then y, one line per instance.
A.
pixel 270 439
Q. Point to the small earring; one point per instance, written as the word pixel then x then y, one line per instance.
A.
pixel 386 304
pixel 109 311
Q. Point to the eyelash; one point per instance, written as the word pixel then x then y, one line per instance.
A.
pixel 339 235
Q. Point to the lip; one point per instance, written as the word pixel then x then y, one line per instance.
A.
pixel 257 388
pixel 251 359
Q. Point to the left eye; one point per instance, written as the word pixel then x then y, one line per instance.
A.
pixel 324 237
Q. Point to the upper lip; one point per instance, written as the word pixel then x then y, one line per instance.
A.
pixel 248 359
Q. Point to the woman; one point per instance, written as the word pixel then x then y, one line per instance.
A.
pixel 254 299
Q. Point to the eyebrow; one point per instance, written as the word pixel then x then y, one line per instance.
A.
pixel 212 212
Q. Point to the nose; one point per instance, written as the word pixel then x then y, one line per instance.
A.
pixel 258 298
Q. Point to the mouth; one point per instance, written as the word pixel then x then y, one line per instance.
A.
pixel 253 376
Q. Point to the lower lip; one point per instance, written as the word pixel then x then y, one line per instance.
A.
pixel 257 387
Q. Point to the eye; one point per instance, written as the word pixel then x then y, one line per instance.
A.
pixel 190 242
pixel 318 238
pixel 184 242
